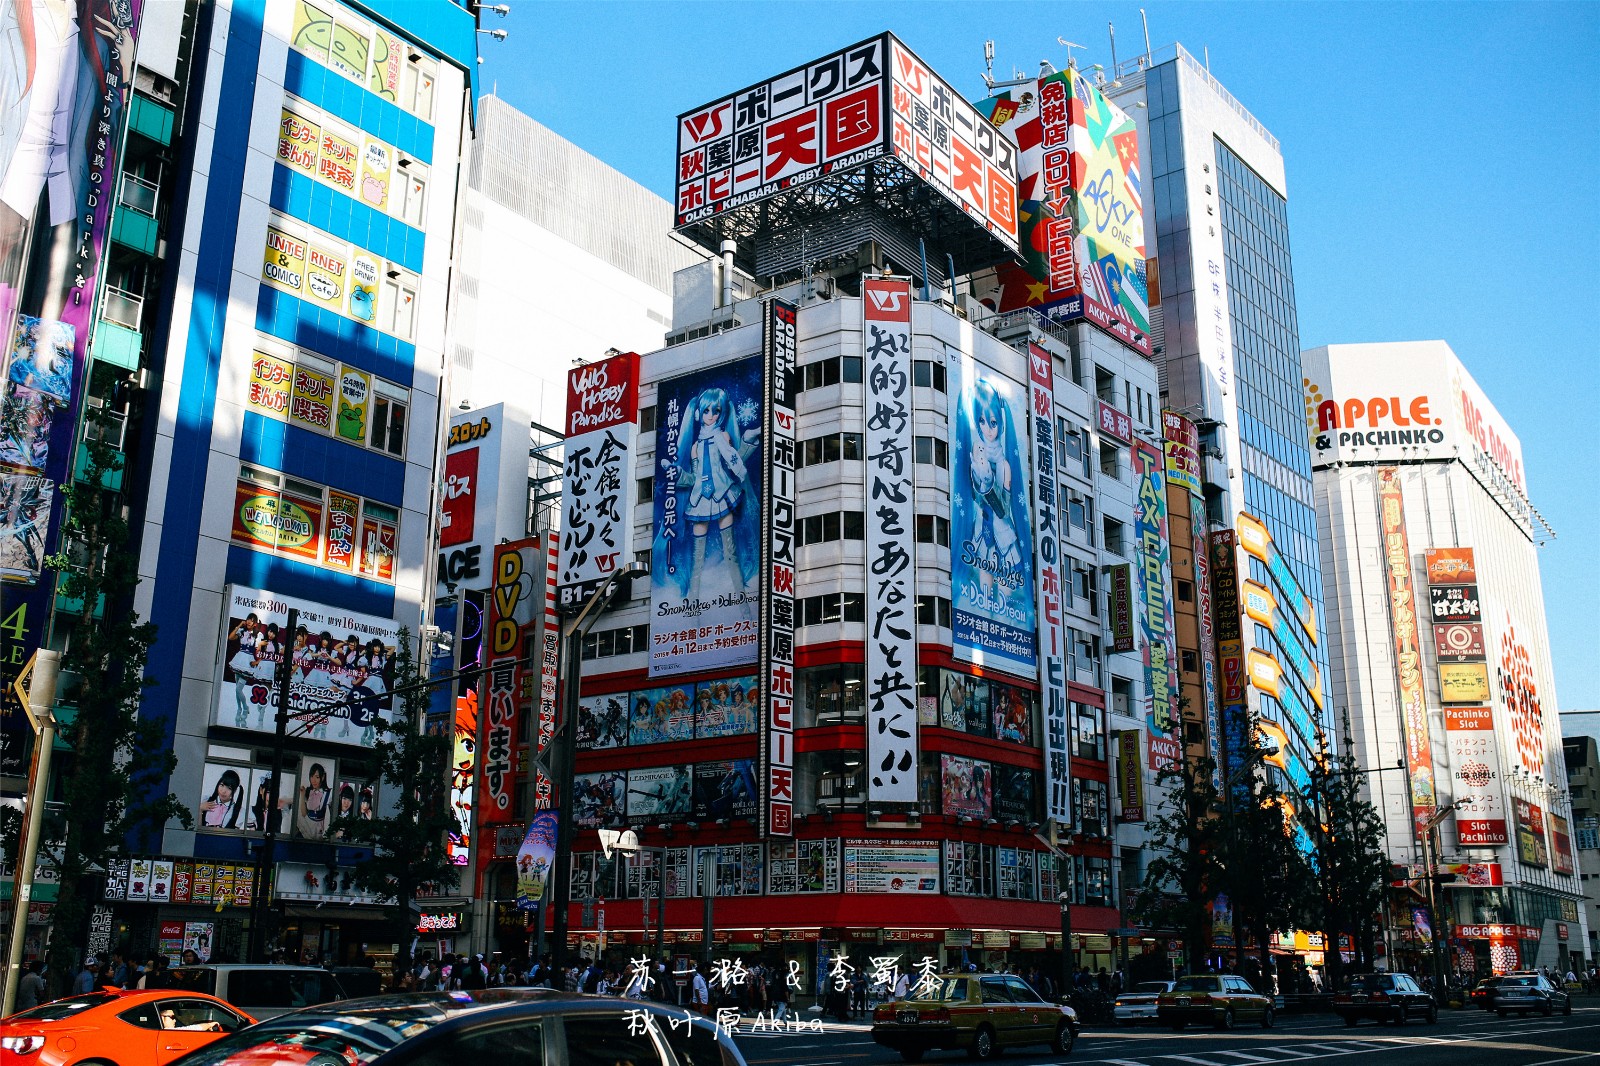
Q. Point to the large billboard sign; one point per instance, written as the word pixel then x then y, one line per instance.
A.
pixel 1052 629
pixel 68 73
pixel 1081 220
pixel 1155 597
pixel 871 101
pixel 1475 766
pixel 343 665
pixel 705 549
pixel 779 349
pixel 597 475
pixel 487 450
pixel 1396 402
pixel 516 600
pixel 891 675
pixel 1403 628
pixel 991 535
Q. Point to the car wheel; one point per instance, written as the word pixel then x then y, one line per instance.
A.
pixel 1062 1044
pixel 1226 1020
pixel 982 1044
pixel 1549 1008
pixel 1266 1018
pixel 1350 1021
pixel 912 1054
pixel 1433 1015
pixel 1568 1009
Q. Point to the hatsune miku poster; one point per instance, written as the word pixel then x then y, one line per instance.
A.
pixel 705 550
pixel 991 526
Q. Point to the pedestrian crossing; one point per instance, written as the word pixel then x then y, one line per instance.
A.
pixel 1268 1055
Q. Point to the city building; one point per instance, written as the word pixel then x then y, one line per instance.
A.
pixel 283 236
pixel 1583 786
pixel 1439 649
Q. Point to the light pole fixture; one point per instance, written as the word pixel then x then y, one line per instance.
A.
pixel 35 687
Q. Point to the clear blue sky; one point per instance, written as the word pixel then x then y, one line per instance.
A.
pixel 1442 162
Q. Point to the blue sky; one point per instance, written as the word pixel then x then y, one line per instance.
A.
pixel 1442 163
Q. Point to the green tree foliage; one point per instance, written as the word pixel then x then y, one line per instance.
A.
pixel 1184 877
pixel 112 780
pixel 409 841
pixel 1352 867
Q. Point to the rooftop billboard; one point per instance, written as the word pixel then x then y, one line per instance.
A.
pixel 872 101
pixel 1081 220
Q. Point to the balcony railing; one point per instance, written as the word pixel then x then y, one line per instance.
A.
pixel 122 307
pixel 139 194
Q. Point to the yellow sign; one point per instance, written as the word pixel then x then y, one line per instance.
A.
pixel 364 288
pixel 298 139
pixel 1264 672
pixel 1253 537
pixel 337 160
pixel 1259 603
pixel 1277 735
pixel 1463 682
pixel 284 262
pixel 325 271
pixel 355 404
pixel 269 384
pixel 312 402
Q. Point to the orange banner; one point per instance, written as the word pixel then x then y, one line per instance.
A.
pixel 1407 653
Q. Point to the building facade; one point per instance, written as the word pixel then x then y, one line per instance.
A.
pixel 1583 785
pixel 1441 661
pixel 287 463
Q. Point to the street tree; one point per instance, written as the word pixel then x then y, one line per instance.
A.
pixel 1351 866
pixel 1184 877
pixel 112 782
pixel 409 841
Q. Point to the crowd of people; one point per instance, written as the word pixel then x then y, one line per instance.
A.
pixel 105 969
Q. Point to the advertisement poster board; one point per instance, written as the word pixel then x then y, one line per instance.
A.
pixel 725 788
pixel 599 800
pixel 1053 694
pixel 661 715
pixel 536 858
pixel 991 527
pixel 660 794
pixel 898 866
pixel 597 476
pixel 965 787
pixel 779 351
pixel 1531 846
pixel 1403 622
pixel 1155 597
pixel 343 665
pixel 705 551
pixel 1475 765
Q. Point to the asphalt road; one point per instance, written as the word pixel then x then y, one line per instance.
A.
pixel 1461 1038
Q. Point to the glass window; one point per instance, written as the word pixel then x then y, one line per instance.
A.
pixel 519 1042
pixel 389 418
pixel 852 369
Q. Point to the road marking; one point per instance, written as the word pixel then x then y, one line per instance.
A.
pixel 1197 1060
pixel 1245 1055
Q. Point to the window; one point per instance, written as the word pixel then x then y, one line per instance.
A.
pixel 608 642
pixel 397 313
pixel 519 1042
pixel 1113 536
pixel 1185 591
pixel 928 374
pixel 1088 732
pixel 601 1040
pixel 646 489
pixel 933 451
pixel 1111 460
pixel 697 1045
pixel 829 448
pixel 413 192
pixel 322 526
pixel 832 607
pixel 829 372
pixel 832 694
pixel 933 611
pixel 389 406
pixel 933 529
pixel 416 86
pixel 1187 661
pixel 830 526
pixel 1084 585
pixel 647 419
pixel 1089 797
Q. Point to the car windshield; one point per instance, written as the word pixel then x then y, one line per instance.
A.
pixel 62 1008
pixel 1197 984
pixel 322 1037
pixel 1519 982
pixel 951 988
pixel 1368 983
pixel 1150 988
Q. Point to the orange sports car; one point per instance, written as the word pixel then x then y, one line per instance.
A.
pixel 116 1028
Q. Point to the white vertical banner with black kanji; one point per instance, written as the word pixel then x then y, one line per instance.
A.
pixel 1052 634
pixel 597 476
pixel 891 615
pixel 778 351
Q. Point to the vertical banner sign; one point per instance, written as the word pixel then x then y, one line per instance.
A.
pixel 549 666
pixel 68 70
pixel 597 476
pixel 1052 636
pixel 515 597
pixel 778 350
pixel 1475 767
pixel 1208 632
pixel 1407 653
pixel 991 532
pixel 535 858
pixel 1122 637
pixel 891 576
pixel 1155 604
pixel 1225 608
pixel 1130 771
pixel 705 559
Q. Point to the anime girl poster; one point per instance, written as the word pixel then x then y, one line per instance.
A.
pixel 662 715
pixel 991 526
pixel 705 545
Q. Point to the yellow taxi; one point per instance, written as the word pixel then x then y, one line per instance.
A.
pixel 979 1013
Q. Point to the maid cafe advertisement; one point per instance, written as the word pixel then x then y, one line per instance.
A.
pixel 706 553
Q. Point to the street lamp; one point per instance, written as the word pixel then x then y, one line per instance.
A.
pixel 1065 898
pixel 36 689
pixel 1441 939
pixel 563 752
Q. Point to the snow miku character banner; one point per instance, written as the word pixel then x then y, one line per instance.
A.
pixel 991 527
pixel 705 548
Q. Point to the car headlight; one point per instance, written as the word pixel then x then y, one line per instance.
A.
pixel 21 1045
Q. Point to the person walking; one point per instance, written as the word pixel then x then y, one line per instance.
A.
pixel 777 993
pixel 700 989
pixel 30 990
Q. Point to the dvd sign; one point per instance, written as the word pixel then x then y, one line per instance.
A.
pixel 1459 642
pixel 1455 603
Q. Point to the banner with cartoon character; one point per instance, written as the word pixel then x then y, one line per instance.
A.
pixel 535 859
pixel 991 527
pixel 705 553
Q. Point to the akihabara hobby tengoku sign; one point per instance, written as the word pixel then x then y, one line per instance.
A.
pixel 871 101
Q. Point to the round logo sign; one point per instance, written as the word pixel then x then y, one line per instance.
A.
pixel 276 521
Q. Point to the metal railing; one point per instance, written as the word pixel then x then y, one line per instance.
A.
pixel 122 307
pixel 139 194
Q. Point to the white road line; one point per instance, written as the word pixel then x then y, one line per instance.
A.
pixel 1196 1059
pixel 1244 1055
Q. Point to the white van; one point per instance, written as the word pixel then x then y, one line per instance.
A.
pixel 261 990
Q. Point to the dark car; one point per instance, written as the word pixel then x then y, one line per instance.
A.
pixel 1482 994
pixel 1527 993
pixel 524 1026
pixel 977 1013
pixel 1385 997
pixel 1221 1000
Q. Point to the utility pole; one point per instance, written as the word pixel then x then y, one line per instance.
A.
pixel 36 690
pixel 266 857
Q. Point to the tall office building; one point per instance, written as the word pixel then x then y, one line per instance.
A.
pixel 281 252
pixel 1440 650
pixel 1225 334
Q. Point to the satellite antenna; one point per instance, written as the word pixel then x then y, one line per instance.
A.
pixel 1069 46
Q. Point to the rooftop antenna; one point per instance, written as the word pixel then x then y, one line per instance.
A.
pixel 1148 59
pixel 1207 50
pixel 1017 77
pixel 1112 30
pixel 1069 46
